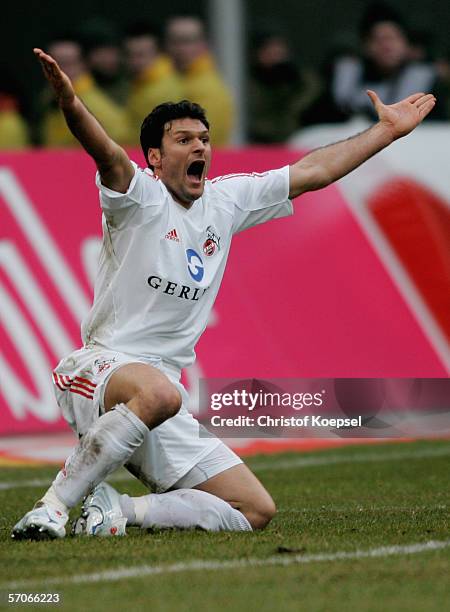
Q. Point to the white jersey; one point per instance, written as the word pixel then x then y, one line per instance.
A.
pixel 161 265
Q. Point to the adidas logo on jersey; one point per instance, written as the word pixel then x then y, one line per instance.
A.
pixel 172 235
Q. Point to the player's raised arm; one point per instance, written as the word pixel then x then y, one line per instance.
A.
pixel 328 164
pixel 112 162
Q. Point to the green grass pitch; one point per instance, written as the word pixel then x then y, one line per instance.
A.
pixel 355 500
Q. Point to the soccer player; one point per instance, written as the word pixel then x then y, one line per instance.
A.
pixel 166 238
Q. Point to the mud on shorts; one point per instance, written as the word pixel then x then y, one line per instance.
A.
pixel 173 455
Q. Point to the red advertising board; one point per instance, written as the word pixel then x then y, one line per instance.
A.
pixel 305 296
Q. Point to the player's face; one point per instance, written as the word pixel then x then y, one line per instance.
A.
pixel 183 160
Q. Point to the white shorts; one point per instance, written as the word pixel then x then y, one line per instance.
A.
pixel 171 451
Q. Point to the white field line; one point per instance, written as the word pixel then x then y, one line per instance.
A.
pixel 373 507
pixel 44 482
pixel 284 464
pixel 115 575
pixel 301 462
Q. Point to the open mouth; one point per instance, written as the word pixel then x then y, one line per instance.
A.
pixel 195 170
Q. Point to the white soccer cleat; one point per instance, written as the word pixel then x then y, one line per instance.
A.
pixel 41 523
pixel 101 514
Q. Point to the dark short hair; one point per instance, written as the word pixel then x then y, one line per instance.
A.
pixel 380 11
pixel 152 129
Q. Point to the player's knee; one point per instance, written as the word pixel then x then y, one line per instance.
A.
pixel 165 400
pixel 157 403
pixel 262 513
pixel 171 400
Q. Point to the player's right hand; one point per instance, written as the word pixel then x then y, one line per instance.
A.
pixel 58 79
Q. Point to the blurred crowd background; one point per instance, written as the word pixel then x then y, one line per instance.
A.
pixel 305 63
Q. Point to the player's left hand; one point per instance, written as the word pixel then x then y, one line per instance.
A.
pixel 402 117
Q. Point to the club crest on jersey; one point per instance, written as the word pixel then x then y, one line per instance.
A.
pixel 212 242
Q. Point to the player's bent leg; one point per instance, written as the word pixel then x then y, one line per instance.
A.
pixel 106 512
pixel 182 507
pixel 237 501
pixel 240 488
pixel 145 390
pixel 233 487
pixel 137 397
pixel 106 446
pixel 233 500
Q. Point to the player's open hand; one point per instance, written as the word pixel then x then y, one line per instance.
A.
pixel 402 117
pixel 58 79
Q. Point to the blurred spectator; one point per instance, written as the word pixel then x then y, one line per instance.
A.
pixel 278 91
pixel 154 79
pixel 103 54
pixel 67 52
pixel 187 46
pixel 388 65
pixel 13 129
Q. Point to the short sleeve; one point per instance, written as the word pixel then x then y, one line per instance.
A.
pixel 257 197
pixel 144 190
